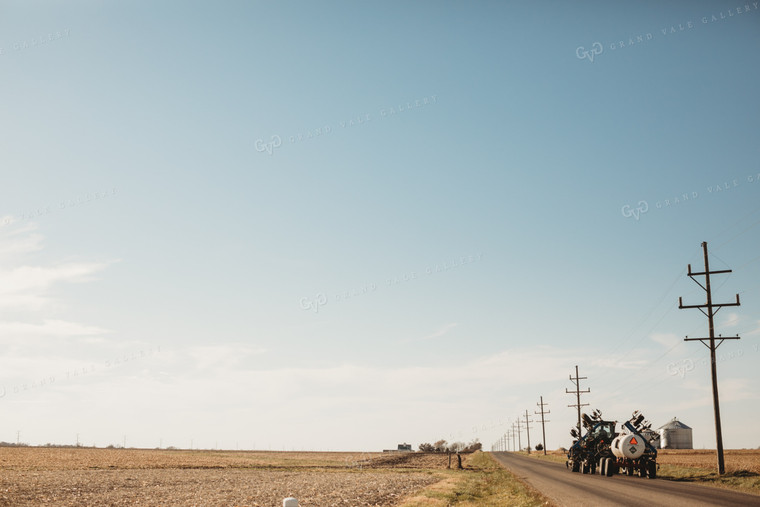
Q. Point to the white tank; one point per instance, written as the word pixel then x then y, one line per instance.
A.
pixel 628 446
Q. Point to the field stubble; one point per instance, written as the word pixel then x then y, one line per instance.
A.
pixel 82 476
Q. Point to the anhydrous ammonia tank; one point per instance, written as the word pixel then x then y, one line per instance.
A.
pixel 628 446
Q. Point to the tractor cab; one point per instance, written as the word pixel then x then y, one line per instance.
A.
pixel 604 430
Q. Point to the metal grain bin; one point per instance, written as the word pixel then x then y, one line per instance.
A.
pixel 675 435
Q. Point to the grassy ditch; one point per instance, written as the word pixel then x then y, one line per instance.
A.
pixel 738 480
pixel 483 483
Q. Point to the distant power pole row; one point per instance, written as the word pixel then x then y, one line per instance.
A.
pixel 516 430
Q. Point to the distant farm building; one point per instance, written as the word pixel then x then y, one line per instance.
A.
pixel 675 435
pixel 401 448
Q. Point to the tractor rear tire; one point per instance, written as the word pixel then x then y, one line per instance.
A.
pixel 603 466
pixel 575 467
pixel 584 468
pixel 642 470
pixel 652 470
pixel 610 467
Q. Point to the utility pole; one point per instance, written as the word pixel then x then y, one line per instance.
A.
pixel 712 309
pixel 543 422
pixel 519 431
pixel 577 393
pixel 527 428
pixel 514 447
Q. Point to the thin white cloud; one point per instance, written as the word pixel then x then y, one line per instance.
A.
pixel 28 287
pixel 731 320
pixel 49 327
pixel 666 339
pixel 222 356
pixel 441 332
pixel 18 240
pixel 754 331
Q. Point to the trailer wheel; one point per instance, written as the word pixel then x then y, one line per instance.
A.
pixel 603 466
pixel 628 470
pixel 642 470
pixel 652 470
pixel 575 466
pixel 584 468
pixel 610 467
pixel 592 468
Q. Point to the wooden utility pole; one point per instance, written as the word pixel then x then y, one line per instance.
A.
pixel 514 447
pixel 712 309
pixel 577 393
pixel 527 428
pixel 543 422
pixel 519 432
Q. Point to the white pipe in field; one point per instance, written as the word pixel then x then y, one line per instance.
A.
pixel 290 502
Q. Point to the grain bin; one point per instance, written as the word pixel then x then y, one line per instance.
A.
pixel 675 435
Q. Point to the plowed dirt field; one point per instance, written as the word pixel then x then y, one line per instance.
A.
pixel 83 476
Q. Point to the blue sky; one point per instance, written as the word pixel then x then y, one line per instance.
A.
pixel 344 226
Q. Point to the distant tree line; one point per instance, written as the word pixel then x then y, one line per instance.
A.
pixel 63 446
pixel 10 444
pixel 444 446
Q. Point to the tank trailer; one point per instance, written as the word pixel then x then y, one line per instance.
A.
pixel 610 452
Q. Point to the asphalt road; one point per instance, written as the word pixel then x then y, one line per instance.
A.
pixel 564 487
